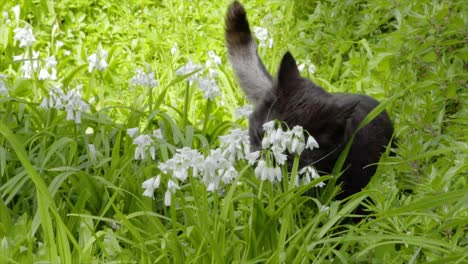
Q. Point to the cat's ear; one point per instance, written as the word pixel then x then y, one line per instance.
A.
pixel 288 69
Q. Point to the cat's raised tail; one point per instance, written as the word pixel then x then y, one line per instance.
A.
pixel 248 67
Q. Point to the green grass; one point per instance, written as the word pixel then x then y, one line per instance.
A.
pixel 62 202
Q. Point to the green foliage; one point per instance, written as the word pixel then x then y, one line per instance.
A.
pixel 71 192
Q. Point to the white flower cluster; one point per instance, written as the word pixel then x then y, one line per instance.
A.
pixel 144 142
pixel 25 36
pixel 144 79
pixel 98 60
pixel 275 143
pixel 207 84
pixel 236 145
pixel 215 169
pixel 70 102
pixel 46 67
pixel 218 167
pixel 311 69
pixel 263 37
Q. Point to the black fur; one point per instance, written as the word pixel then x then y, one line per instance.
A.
pixel 330 118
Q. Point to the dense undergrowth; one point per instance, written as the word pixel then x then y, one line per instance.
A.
pixel 70 183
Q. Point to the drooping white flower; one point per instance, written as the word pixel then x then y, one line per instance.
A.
pixel 132 132
pixel 264 172
pixel 16 10
pixel 71 102
pixel 143 143
pixel 59 44
pixel 189 67
pixel 3 87
pixel 25 36
pixel 311 143
pixel 280 158
pixel 167 198
pixel 252 157
pixel 244 112
pixel 50 62
pixel 323 208
pixel 98 60
pixel 172 187
pixel 157 134
pixel 209 88
pixel 144 79
pixel 179 165
pixel 30 65
pixel 269 126
pixel 263 36
pixel 174 49
pixel 214 59
pixel 308 173
pixel 150 185
pixel 92 151
pixel 311 69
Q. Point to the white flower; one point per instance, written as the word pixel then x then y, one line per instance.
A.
pixel 309 173
pixel 229 175
pixel 320 184
pixel 278 154
pixel 263 172
pixel 51 62
pixel 157 134
pixel 174 49
pixel 214 59
pixel 323 208
pixel 209 88
pixel 311 143
pixel 3 87
pixel 311 69
pixel 98 60
pixel 45 75
pixel 25 36
pixel 252 157
pixel 92 150
pixel 143 142
pixel 167 198
pixel 190 67
pixel 184 159
pixel 262 35
pixel 217 168
pixel 235 145
pixel 269 126
pixel 132 132
pixel 16 11
pixel 29 65
pixel 71 102
pixel 172 186
pixel 144 79
pixel 149 186
pixel 244 111
pixel 59 44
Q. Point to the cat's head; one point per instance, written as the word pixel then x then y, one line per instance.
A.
pixel 298 101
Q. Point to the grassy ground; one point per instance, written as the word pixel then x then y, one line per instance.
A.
pixel 71 189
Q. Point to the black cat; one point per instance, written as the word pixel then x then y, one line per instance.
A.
pixel 330 118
